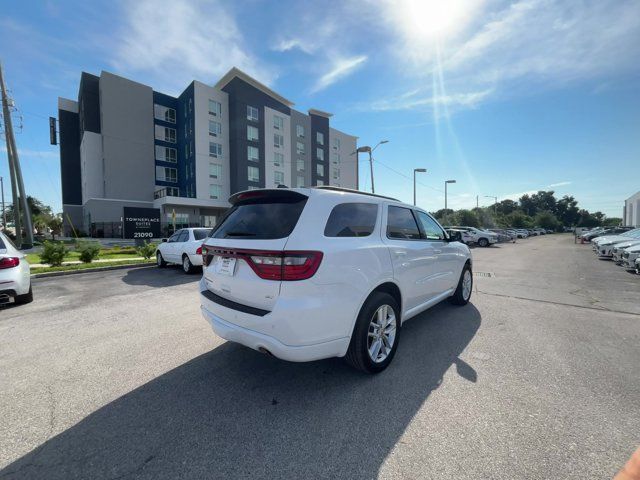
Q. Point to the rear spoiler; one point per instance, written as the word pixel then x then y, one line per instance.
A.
pixel 266 195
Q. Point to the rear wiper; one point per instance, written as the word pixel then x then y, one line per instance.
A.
pixel 239 234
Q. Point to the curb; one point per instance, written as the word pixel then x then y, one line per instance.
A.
pixel 91 270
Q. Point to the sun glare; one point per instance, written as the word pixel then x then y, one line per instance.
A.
pixel 433 19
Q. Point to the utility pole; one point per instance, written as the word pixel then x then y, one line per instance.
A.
pixel 4 212
pixel 370 150
pixel 416 170
pixel 17 184
pixel 477 202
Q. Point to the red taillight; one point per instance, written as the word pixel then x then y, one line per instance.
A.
pixel 9 262
pixel 199 250
pixel 272 265
pixel 287 265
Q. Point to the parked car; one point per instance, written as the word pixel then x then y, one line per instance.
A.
pixel 183 248
pixel 466 237
pixel 311 273
pixel 522 233
pixel 503 235
pixel 605 231
pixel 603 246
pixel 482 237
pixel 619 248
pixel 638 266
pixel 630 255
pixel 15 274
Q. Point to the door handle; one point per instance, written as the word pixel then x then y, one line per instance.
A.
pixel 400 253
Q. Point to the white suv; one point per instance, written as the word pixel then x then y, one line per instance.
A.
pixel 311 273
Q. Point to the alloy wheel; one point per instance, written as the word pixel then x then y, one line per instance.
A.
pixel 466 284
pixel 381 334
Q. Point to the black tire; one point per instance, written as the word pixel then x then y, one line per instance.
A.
pixel 26 298
pixel 358 355
pixel 458 297
pixel 187 266
pixel 483 242
pixel 160 261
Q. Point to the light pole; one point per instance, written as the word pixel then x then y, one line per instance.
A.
pixel 4 215
pixel 370 151
pixel 415 170
pixel 446 182
pixel 495 202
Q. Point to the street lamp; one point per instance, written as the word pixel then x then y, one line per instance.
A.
pixel 370 150
pixel 446 182
pixel 420 170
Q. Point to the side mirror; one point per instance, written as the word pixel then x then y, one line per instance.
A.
pixel 164 240
pixel 455 237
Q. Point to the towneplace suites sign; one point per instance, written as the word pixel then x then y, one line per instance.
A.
pixel 141 222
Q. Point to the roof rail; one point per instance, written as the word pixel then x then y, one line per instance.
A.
pixel 350 190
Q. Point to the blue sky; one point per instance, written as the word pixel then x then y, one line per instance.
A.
pixel 504 97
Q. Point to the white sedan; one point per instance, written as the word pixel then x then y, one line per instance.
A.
pixel 15 274
pixel 183 248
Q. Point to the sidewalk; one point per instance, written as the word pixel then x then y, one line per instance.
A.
pixel 76 262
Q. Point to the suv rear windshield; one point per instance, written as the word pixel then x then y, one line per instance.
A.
pixel 261 219
pixel 351 220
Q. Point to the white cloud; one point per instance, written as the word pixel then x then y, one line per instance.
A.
pixel 508 48
pixel 197 39
pixel 287 44
pixel 559 184
pixel 417 98
pixel 341 68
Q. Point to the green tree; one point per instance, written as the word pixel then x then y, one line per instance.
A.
pixel 467 218
pixel 506 207
pixel 546 220
pixel 567 211
pixel 519 219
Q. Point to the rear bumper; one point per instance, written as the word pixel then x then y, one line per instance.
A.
pixel 261 342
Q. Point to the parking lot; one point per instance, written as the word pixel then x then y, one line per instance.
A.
pixel 116 375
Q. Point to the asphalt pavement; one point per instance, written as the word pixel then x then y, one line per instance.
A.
pixel 116 375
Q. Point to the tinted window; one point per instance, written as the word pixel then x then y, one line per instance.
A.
pixel 351 220
pixel 263 220
pixel 401 224
pixel 430 227
pixel 174 237
pixel 201 233
pixel 184 236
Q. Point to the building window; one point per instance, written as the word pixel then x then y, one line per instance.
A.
pixel 252 133
pixel 300 148
pixel 336 158
pixel 165 134
pixel 278 140
pixel 319 183
pixel 215 128
pixel 166 114
pixel 300 131
pixel 278 159
pixel 173 192
pixel 336 173
pixel 300 181
pixel 300 165
pixel 215 108
pixel 320 154
pixel 166 154
pixel 252 113
pixel 215 150
pixel 278 122
pixel 186 150
pixel 253 154
pixel 215 170
pixel 320 170
pixel 166 174
pixel 208 221
pixel 320 138
pixel 278 178
pixel 190 105
pixel 336 143
pixel 215 191
pixel 253 174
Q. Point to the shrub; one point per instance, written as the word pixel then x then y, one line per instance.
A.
pixel 89 251
pixel 53 253
pixel 147 250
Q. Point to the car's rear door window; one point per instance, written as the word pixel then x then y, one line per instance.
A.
pixel 351 220
pixel 201 233
pixel 261 220
pixel 401 224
